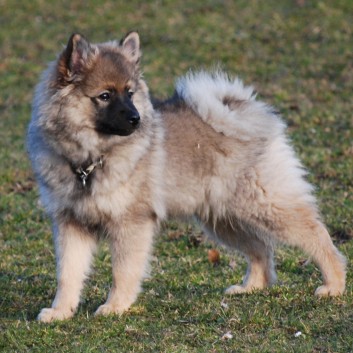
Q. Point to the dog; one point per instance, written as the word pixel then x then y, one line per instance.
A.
pixel 111 165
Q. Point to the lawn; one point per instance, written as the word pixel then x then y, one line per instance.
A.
pixel 298 56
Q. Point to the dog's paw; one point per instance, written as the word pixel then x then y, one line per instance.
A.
pixel 237 289
pixel 51 314
pixel 108 309
pixel 328 291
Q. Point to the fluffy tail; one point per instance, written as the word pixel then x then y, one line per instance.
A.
pixel 228 106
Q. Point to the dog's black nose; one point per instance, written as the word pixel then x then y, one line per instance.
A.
pixel 134 120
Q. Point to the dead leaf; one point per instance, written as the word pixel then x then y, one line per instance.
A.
pixel 213 256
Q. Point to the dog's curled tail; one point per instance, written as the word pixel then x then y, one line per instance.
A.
pixel 228 106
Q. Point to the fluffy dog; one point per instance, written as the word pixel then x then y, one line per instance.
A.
pixel 110 165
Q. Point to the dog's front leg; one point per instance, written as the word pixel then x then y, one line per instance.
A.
pixel 74 249
pixel 131 246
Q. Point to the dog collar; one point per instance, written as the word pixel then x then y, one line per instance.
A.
pixel 84 173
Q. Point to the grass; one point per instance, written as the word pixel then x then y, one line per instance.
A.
pixel 299 58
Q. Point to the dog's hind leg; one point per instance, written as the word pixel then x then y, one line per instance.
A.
pixel 331 263
pixel 257 251
pixel 303 230
pixel 74 249
pixel 131 245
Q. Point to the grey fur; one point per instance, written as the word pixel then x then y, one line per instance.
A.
pixel 212 151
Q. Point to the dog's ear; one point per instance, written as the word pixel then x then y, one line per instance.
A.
pixel 74 59
pixel 131 46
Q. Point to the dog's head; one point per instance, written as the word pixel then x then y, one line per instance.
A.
pixel 104 79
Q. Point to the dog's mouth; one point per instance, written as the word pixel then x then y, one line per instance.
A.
pixel 109 130
pixel 127 132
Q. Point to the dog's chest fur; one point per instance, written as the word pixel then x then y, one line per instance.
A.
pixel 128 182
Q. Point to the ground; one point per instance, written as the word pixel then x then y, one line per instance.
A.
pixel 298 56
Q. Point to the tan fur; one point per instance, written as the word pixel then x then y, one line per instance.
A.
pixel 212 151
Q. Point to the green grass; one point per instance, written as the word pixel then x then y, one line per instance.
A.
pixel 300 59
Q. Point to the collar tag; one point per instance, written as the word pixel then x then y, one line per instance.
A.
pixel 85 173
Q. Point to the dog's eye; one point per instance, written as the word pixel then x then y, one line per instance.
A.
pixel 104 96
pixel 130 93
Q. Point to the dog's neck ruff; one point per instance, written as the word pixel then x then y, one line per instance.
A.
pixel 84 173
